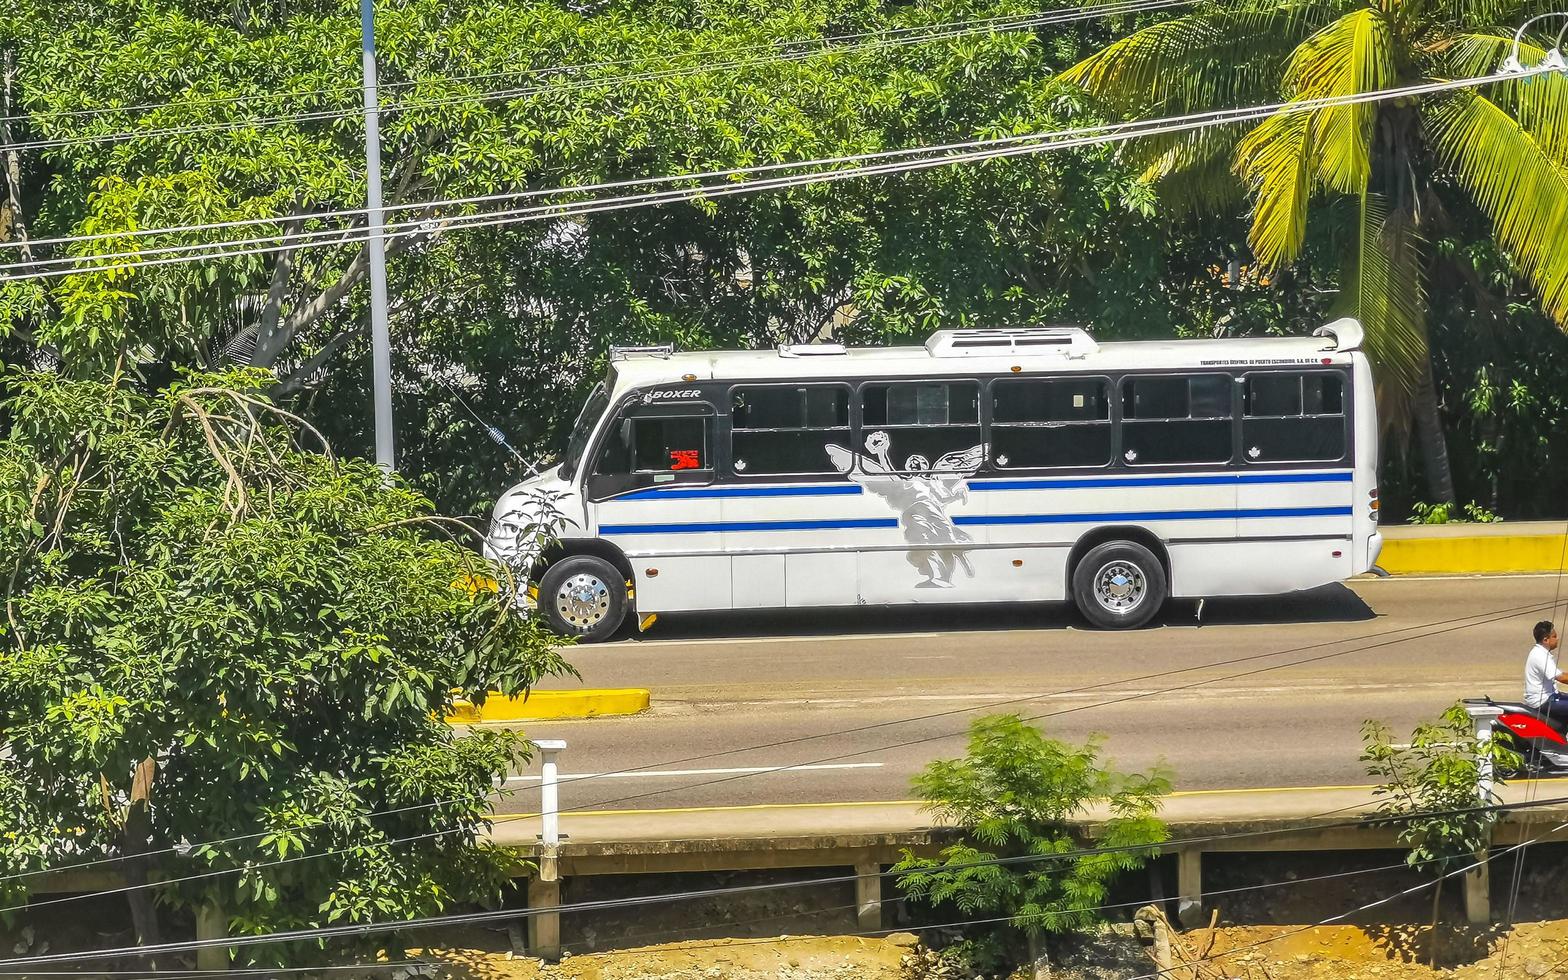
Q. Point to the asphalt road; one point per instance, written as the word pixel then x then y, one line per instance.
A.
pixel 1261 693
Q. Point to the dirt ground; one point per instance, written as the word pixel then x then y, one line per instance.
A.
pixel 1529 950
pixel 784 958
pixel 1273 952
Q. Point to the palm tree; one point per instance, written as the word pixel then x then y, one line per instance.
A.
pixel 1380 172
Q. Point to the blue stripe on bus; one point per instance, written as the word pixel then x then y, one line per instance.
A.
pixel 702 527
pixel 1227 479
pixel 993 520
pixel 691 493
pixel 1081 483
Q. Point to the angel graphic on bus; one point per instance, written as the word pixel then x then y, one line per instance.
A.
pixel 921 492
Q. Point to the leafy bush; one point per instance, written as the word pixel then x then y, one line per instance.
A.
pixel 1013 795
pixel 1451 513
pixel 1437 772
pixel 214 635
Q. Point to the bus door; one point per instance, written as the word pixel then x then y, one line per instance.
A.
pixel 650 494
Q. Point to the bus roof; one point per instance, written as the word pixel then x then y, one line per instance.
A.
pixel 960 352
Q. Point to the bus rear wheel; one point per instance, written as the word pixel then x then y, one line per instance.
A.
pixel 584 597
pixel 1119 585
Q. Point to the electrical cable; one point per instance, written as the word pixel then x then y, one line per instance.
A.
pixel 996 149
pixel 357 212
pixel 936 33
pixel 699 944
pixel 1482 619
pixel 1061 711
pixel 372 928
pixel 1535 749
pixel 436 834
pixel 1218 117
pixel 1480 862
pixel 517 72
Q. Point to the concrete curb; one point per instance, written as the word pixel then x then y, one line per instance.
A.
pixel 547 705
pixel 1490 553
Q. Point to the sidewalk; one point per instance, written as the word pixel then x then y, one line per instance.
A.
pixel 1188 813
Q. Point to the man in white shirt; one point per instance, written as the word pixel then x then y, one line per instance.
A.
pixel 1541 675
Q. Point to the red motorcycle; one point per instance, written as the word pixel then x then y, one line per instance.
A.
pixel 1542 742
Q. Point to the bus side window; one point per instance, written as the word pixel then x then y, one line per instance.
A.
pixel 787 429
pixel 1055 422
pixel 1291 417
pixel 1176 419
pixel 654 445
pixel 921 423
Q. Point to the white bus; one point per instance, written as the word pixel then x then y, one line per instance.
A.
pixel 1002 465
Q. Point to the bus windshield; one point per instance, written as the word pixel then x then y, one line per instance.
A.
pixel 598 400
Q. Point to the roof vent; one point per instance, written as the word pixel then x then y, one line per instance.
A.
pixel 811 350
pixel 654 350
pixel 1345 332
pixel 1062 341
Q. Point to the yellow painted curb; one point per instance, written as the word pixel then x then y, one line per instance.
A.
pixel 543 705
pixel 1492 554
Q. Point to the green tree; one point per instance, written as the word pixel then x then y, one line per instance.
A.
pixel 513 317
pixel 1012 796
pixel 1379 169
pixel 1435 774
pixel 219 641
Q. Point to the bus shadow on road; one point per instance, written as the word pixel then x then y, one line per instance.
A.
pixel 1325 604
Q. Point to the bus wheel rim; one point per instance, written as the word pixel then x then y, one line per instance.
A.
pixel 583 600
pixel 1120 586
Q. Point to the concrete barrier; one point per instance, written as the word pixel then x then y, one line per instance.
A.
pixel 1474 549
pixel 545 705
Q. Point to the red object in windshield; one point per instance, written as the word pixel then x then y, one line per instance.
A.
pixel 685 459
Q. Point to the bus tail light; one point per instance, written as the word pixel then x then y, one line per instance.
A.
pixel 1372 505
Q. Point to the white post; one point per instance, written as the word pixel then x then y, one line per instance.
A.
pixel 375 218
pixel 1482 715
pixel 549 799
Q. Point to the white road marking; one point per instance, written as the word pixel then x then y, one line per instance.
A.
pixel 737 771
pixel 803 638
pixel 1098 693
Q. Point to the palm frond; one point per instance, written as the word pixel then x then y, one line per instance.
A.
pixel 1211 57
pixel 1355 54
pixel 1515 182
pixel 1383 287
pixel 1193 169
pixel 1474 12
pixel 1539 103
pixel 1275 161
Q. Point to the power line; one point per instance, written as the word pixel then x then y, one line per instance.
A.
pixel 990 149
pixel 1479 862
pixel 486 198
pixel 432 835
pixel 996 22
pixel 371 928
pixel 689 944
pixel 1495 615
pixel 936 33
pixel 1061 711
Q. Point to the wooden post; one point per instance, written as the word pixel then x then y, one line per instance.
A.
pixel 1478 892
pixel 211 925
pixel 544 928
pixel 868 896
pixel 1189 887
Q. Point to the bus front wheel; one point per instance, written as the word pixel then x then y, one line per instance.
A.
pixel 1119 585
pixel 583 596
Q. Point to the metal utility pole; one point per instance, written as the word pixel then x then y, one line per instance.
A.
pixel 380 337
